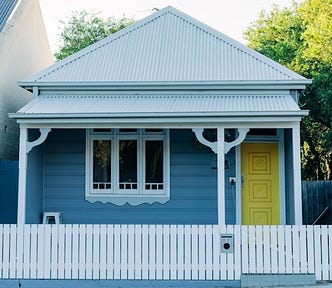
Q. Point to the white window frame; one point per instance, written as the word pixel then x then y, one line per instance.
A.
pixel 131 196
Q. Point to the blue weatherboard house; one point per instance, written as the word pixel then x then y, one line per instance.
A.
pixel 165 128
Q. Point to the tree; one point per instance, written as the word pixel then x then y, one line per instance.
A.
pixel 300 38
pixel 84 29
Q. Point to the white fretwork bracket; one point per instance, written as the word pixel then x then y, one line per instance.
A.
pixel 227 146
pixel 43 135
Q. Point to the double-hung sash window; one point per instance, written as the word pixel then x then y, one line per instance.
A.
pixel 127 166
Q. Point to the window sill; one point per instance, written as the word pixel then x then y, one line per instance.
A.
pixel 132 200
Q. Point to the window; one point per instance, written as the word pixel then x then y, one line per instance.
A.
pixel 127 166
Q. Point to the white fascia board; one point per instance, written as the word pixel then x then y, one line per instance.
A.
pixel 168 85
pixel 156 116
pixel 188 122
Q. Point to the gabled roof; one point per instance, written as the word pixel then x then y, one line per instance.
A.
pixel 168 46
pixel 6 8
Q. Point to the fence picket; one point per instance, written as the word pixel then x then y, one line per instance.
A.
pixel 117 252
pixel 318 256
pixel 325 253
pixel 124 251
pixel 110 252
pixel 166 253
pixel 303 251
pixel 216 252
pixel 20 251
pixel 13 245
pixel 260 246
pixel 145 252
pixel 252 249
pixel 102 252
pixel 223 256
pixel 159 254
pixel 288 241
pixel 237 252
pixel 201 252
pixel 95 252
pixel 281 249
pixel 5 251
pixel 47 252
pixel 310 247
pixel 173 249
pixel 180 253
pixel 33 255
pixel 230 256
pixel 82 252
pixel 88 249
pixel 266 249
pixel 131 252
pixel 54 253
pixel 245 246
pixel 162 252
pixel 75 251
pixel 152 252
pixel 296 250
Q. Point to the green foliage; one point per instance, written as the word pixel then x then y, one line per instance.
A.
pixel 300 37
pixel 84 29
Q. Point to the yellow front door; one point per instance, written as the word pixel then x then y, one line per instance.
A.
pixel 260 184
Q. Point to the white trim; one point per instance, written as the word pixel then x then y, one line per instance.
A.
pixel 297 174
pixel 161 122
pixel 240 138
pixel 136 196
pixel 43 135
pixel 221 175
pixel 21 207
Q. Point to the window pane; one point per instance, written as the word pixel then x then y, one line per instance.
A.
pixel 128 162
pixel 129 130
pixel 101 164
pixel 154 162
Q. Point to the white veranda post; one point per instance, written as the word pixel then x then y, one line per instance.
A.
pixel 221 175
pixel 22 176
pixel 297 174
pixel 25 148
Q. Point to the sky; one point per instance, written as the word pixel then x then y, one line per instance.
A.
pixel 230 17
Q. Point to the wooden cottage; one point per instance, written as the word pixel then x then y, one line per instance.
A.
pixel 156 146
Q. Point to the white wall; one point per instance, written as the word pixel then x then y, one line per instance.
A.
pixel 24 50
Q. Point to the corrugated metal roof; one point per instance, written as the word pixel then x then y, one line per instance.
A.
pixel 166 46
pixel 6 8
pixel 157 105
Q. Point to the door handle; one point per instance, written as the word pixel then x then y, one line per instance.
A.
pixel 242 180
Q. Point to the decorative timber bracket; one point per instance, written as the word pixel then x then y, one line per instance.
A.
pixel 228 145
pixel 43 135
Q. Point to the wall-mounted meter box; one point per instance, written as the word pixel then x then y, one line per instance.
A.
pixel 226 243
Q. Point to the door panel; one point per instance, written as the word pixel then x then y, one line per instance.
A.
pixel 260 184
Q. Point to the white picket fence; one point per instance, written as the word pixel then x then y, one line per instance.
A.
pixel 177 252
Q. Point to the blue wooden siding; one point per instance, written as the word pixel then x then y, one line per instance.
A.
pixel 193 184
pixel 8 191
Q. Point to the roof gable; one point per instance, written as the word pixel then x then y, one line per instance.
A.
pixel 6 8
pixel 168 46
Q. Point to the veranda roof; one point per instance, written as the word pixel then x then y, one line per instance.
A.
pixel 156 106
